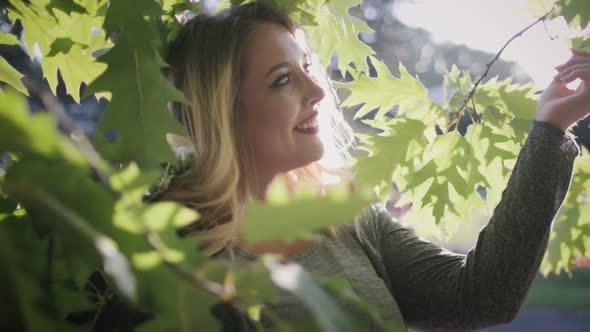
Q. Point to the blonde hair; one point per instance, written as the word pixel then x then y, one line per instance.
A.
pixel 205 66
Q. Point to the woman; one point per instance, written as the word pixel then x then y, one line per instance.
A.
pixel 252 116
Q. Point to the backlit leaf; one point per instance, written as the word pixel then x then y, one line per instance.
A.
pixel 575 12
pixel 11 76
pixel 301 215
pixel 337 31
pixel 384 91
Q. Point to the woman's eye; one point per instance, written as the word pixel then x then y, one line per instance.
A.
pixel 283 79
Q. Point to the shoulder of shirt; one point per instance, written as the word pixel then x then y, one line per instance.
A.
pixel 370 223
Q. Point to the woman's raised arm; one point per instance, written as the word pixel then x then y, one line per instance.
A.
pixel 437 289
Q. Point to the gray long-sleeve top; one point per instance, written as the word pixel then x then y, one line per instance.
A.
pixel 419 284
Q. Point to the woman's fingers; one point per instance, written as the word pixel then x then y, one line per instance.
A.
pixel 572 66
pixel 577 58
pixel 582 73
pixel 576 53
pixel 573 61
pixel 561 105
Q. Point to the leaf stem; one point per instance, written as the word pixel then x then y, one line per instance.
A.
pixel 154 240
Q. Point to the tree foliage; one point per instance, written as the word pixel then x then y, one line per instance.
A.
pixel 79 241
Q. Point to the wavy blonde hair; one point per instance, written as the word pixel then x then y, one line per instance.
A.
pixel 205 66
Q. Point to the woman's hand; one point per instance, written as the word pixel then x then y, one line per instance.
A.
pixel 561 106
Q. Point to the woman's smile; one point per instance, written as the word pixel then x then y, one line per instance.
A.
pixel 309 126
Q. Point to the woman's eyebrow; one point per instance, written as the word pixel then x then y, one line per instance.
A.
pixel 304 54
pixel 277 66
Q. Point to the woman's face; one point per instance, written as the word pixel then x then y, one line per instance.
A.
pixel 278 101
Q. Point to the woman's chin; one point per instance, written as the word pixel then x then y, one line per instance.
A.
pixel 316 155
pixel 310 159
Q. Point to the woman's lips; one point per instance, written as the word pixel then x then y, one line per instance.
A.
pixel 311 116
pixel 309 126
pixel 309 130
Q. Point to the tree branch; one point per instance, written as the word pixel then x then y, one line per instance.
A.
pixel 153 239
pixel 489 65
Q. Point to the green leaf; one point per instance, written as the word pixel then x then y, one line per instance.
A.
pixel 79 28
pixel 54 194
pixel 490 143
pixel 344 290
pixel 12 77
pixel 43 28
pixel 179 306
pixel 137 219
pixel 575 12
pixel 456 87
pixel 539 8
pixel 328 315
pixel 302 324
pixel 26 303
pixel 427 112
pixel 75 38
pixel 7 206
pixel 254 285
pixel 449 161
pixel 393 149
pixel 169 5
pixel 520 100
pixel 33 134
pixel 8 39
pixel 191 298
pixel 581 44
pixel 138 108
pixel 36 21
pixel 140 93
pixel 384 92
pixel 66 6
pixel 299 216
pixel 570 236
pixel 337 31
pixel 494 117
pixel 74 63
pixel 129 17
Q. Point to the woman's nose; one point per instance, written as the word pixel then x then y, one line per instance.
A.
pixel 315 92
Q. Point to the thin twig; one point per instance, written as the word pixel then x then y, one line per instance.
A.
pixel 155 242
pixel 489 65
pixel 549 33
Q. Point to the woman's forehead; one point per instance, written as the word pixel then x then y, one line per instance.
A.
pixel 271 44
